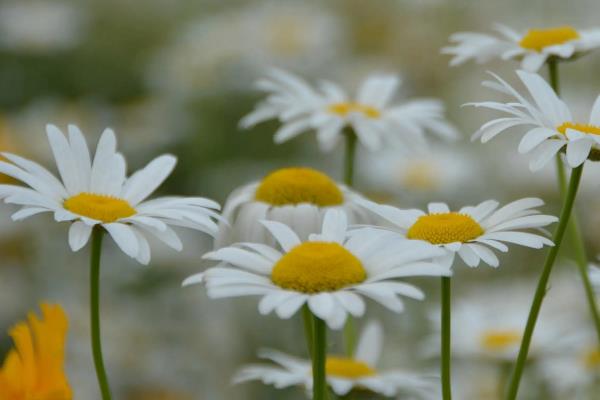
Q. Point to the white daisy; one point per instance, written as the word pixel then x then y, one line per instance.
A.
pixel 470 231
pixel 297 197
pixel 344 374
pixel 330 272
pixel 328 110
pixel 548 119
pixel 99 193
pixel 533 47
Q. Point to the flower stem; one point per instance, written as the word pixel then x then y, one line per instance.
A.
pixel 97 235
pixel 308 329
pixel 319 356
pixel 574 232
pixel 541 289
pixel 446 335
pixel 349 156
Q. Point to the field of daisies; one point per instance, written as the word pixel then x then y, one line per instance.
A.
pixel 286 199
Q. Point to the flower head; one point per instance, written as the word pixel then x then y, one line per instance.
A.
pixel 330 272
pixel 328 110
pixel 98 193
pixel 343 373
pixel 472 230
pixel 551 126
pixel 296 196
pixel 533 47
pixel 34 369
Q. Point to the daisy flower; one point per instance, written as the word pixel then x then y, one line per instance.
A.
pixel 548 120
pixel 344 374
pixel 331 272
pixel 329 110
pixel 98 193
pixel 298 197
pixel 532 48
pixel 471 231
pixel 35 368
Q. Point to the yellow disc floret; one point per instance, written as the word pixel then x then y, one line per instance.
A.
pixel 99 207
pixel 538 39
pixel 583 128
pixel 314 267
pixel 445 228
pixel 591 359
pixel 500 339
pixel 290 186
pixel 346 108
pixel 344 367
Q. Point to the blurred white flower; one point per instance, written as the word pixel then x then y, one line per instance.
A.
pixel 99 193
pixel 328 110
pixel 297 197
pixel 469 231
pixel 343 373
pixel 249 39
pixel 533 48
pixel 40 26
pixel 330 273
pixel 549 122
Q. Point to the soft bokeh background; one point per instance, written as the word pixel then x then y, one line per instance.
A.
pixel 176 76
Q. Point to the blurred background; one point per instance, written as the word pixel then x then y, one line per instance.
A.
pixel 176 76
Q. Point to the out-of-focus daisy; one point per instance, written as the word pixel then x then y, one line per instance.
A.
pixel 439 170
pixel 297 197
pixel 34 369
pixel 40 26
pixel 344 374
pixel 251 38
pixel 98 192
pixel 330 272
pixel 548 119
pixel 328 110
pixel 533 47
pixel 471 231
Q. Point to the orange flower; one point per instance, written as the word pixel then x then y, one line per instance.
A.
pixel 34 369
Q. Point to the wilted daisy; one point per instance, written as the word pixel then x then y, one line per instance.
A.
pixel 331 272
pixel 98 193
pixel 297 197
pixel 344 374
pixel 34 369
pixel 550 124
pixel 471 231
pixel 533 47
pixel 329 110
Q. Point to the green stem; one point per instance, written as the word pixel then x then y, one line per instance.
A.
pixel 446 338
pixel 97 234
pixel 308 329
pixel 543 282
pixel 319 356
pixel 349 156
pixel 349 159
pixel 574 232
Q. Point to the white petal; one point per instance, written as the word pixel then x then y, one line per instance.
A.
pixel 438 208
pixel 145 181
pixel 124 237
pixel 370 344
pixel 79 234
pixel 578 151
pixel 285 236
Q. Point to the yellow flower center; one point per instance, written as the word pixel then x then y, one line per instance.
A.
pixel 99 207
pixel 591 359
pixel 420 176
pixel 346 108
pixel 299 185
pixel 499 340
pixel 584 128
pixel 537 39
pixel 314 267
pixel 445 228
pixel 344 367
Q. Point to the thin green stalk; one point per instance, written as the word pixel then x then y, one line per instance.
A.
pixel 319 356
pixel 308 329
pixel 349 159
pixel 543 282
pixel 446 338
pixel 97 234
